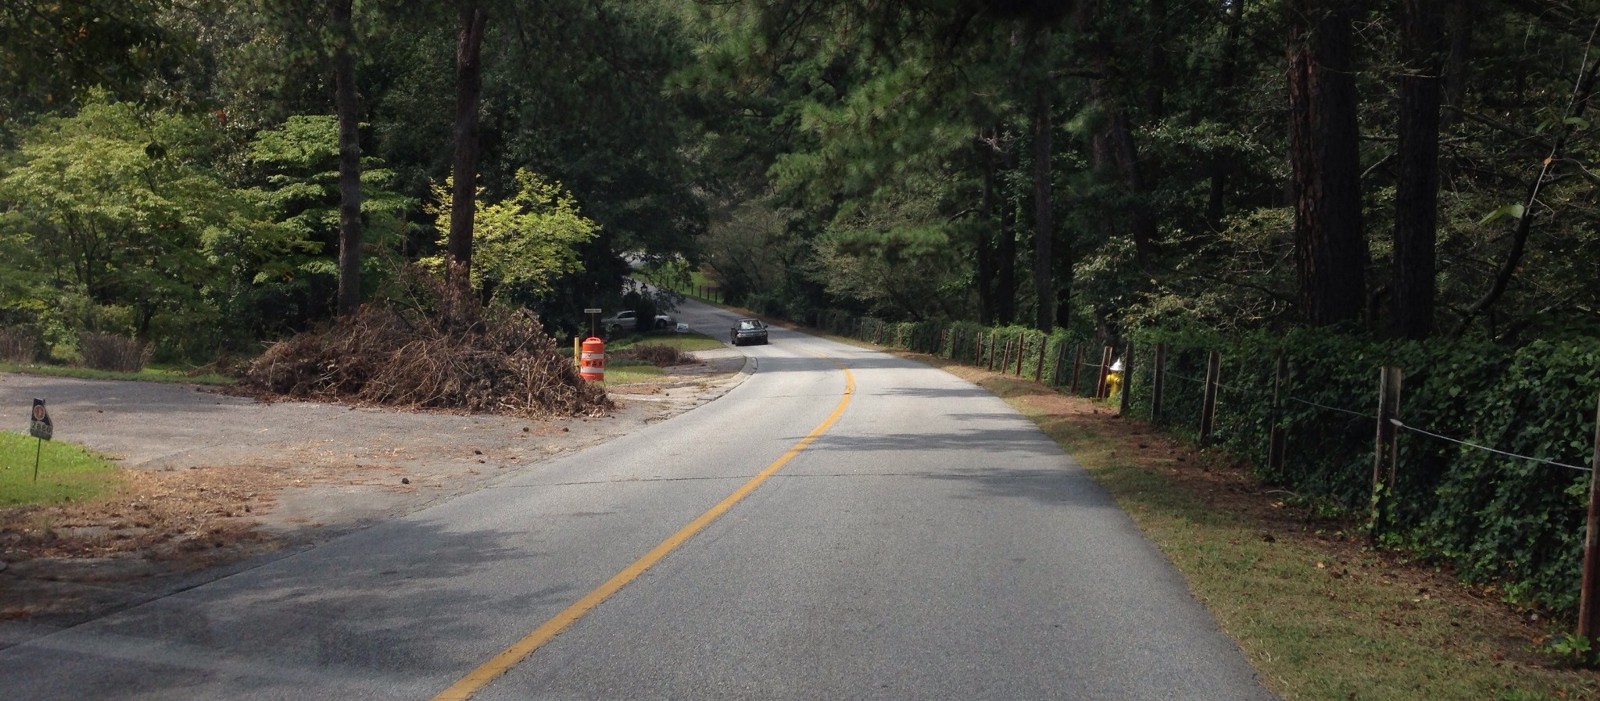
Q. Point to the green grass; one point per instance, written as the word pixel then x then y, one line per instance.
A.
pixel 149 374
pixel 67 472
pixel 625 374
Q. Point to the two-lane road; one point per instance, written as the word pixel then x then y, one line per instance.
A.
pixel 844 524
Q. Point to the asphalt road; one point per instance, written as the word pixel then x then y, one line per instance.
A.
pixel 901 535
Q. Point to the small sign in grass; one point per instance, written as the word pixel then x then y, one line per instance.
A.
pixel 67 472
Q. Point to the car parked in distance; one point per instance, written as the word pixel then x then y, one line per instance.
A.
pixel 628 320
pixel 747 331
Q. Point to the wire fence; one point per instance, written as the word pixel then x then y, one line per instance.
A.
pixel 1395 422
pixel 1002 350
pixel 1456 494
pixel 1370 417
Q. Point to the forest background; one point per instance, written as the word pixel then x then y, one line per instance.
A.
pixel 1342 181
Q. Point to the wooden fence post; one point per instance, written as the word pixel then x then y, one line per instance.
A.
pixel 1588 607
pixel 1386 447
pixel 1038 370
pixel 1275 437
pixel 977 349
pixel 1208 406
pixel 1127 379
pixel 1100 389
pixel 1158 382
pixel 1022 350
pixel 1061 359
pixel 992 337
pixel 1077 367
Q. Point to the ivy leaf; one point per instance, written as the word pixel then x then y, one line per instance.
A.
pixel 1513 211
pixel 1578 122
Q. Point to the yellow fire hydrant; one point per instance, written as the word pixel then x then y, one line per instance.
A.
pixel 1114 379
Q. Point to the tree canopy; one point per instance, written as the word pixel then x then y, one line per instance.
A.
pixel 1411 169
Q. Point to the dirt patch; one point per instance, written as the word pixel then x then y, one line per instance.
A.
pixel 215 483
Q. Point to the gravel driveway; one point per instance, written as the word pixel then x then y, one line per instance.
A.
pixel 329 468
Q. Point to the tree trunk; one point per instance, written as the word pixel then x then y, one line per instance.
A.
pixel 1005 283
pixel 986 218
pixel 1330 251
pixel 469 85
pixel 1222 106
pixel 1143 220
pixel 1422 51
pixel 1043 219
pixel 345 102
pixel 1113 145
pixel 1005 301
pixel 1462 17
pixel 1064 292
pixel 1156 61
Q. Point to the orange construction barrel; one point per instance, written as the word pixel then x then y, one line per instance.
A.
pixel 593 367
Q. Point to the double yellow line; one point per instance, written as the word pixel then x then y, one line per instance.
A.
pixel 478 678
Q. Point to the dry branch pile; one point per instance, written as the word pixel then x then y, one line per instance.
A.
pixel 440 350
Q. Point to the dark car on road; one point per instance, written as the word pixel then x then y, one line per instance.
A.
pixel 747 331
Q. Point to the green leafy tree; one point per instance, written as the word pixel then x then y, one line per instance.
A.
pixel 121 204
pixel 296 169
pixel 522 244
pixel 23 285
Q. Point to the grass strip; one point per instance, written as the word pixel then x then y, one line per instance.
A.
pixel 628 374
pixel 149 374
pixel 67 472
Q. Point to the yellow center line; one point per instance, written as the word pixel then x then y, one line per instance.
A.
pixel 478 678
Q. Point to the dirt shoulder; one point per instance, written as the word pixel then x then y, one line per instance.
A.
pixel 217 483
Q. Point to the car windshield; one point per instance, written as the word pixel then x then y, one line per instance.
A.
pixel 749 324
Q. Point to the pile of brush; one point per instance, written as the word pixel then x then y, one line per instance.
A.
pixel 431 347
